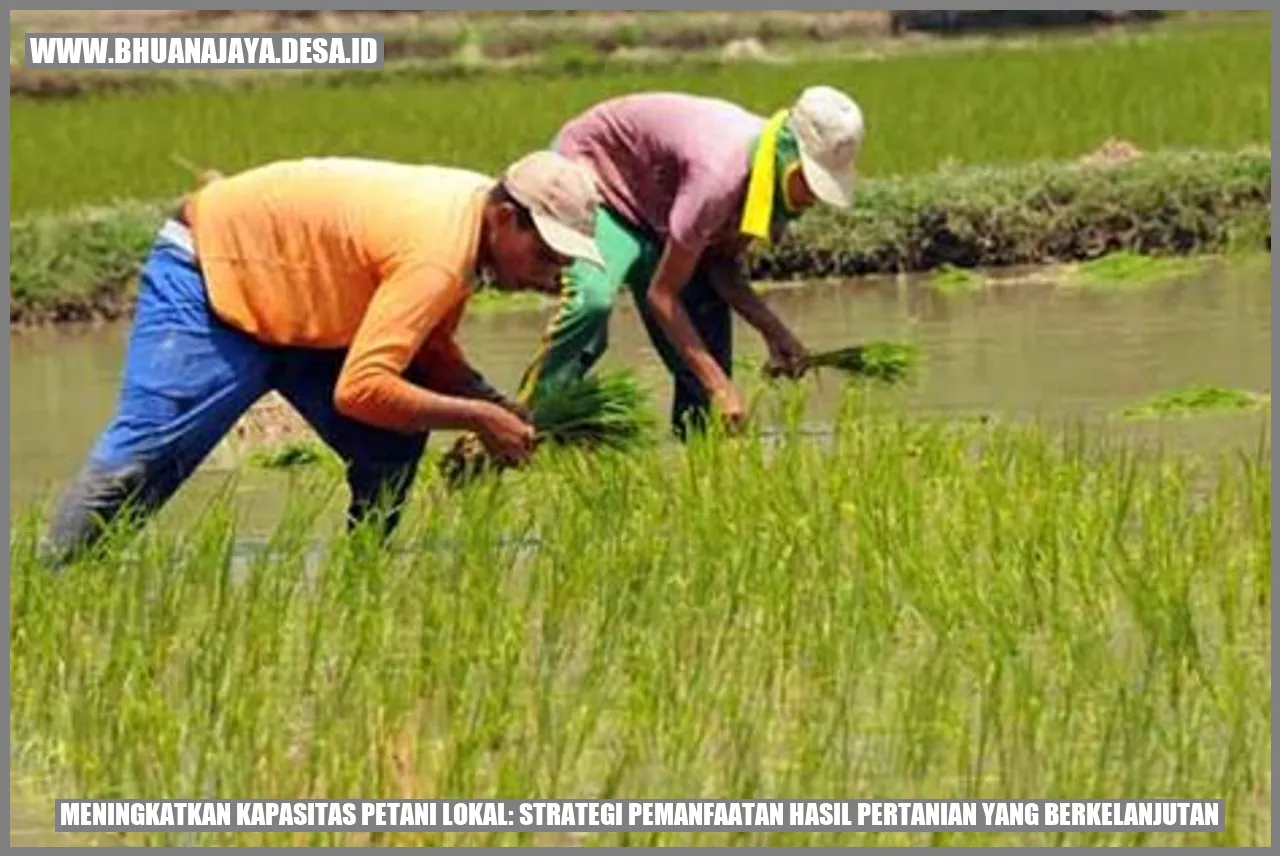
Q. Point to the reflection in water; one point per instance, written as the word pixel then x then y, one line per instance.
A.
pixel 1025 348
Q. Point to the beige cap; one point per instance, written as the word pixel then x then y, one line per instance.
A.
pixel 562 197
pixel 829 129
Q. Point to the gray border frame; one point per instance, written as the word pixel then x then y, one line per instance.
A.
pixel 508 6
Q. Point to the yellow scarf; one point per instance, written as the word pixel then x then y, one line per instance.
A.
pixel 758 211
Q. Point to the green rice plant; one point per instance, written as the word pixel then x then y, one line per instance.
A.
pixel 1129 268
pixel 884 361
pixel 890 362
pixel 608 410
pixel 291 454
pixel 950 279
pixel 1197 399
pixel 912 608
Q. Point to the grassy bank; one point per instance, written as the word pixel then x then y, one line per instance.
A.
pixel 1207 89
pixel 957 611
pixel 81 266
pixel 1164 203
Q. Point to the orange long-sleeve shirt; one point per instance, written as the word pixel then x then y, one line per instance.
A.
pixel 371 256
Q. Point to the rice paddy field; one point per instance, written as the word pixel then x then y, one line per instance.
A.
pixel 912 609
pixel 923 112
pixel 1039 567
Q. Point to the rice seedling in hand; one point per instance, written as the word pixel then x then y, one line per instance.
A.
pixel 609 410
pixel 890 362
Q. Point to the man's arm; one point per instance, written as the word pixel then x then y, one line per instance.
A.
pixel 728 277
pixel 727 272
pixel 669 280
pixel 446 370
pixel 701 208
pixel 403 314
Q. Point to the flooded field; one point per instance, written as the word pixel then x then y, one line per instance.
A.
pixel 1033 348
pixel 1030 347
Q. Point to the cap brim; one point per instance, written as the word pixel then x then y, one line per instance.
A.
pixel 566 241
pixel 833 188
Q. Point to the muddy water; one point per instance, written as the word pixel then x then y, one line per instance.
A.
pixel 1028 347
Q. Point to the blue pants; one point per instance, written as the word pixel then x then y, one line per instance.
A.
pixel 188 378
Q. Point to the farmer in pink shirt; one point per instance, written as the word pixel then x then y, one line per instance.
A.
pixel 688 182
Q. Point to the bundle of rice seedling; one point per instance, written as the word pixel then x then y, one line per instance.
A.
pixel 890 362
pixel 609 410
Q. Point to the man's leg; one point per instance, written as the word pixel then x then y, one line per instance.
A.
pixel 187 379
pixel 578 335
pixel 713 319
pixel 380 464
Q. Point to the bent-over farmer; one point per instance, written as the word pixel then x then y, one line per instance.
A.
pixel 339 283
pixel 688 182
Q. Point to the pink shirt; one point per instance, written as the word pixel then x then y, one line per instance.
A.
pixel 676 164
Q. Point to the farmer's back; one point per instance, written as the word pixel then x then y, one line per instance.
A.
pixel 671 162
pixel 292 252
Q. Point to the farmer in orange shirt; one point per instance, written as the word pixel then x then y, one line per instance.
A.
pixel 338 282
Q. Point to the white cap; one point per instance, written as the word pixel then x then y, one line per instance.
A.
pixel 829 128
pixel 562 197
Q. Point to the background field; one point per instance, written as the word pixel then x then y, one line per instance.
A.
pixel 923 112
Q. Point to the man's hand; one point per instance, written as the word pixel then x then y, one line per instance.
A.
pixel 728 403
pixel 473 385
pixel 787 355
pixel 663 298
pixel 515 408
pixel 505 436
